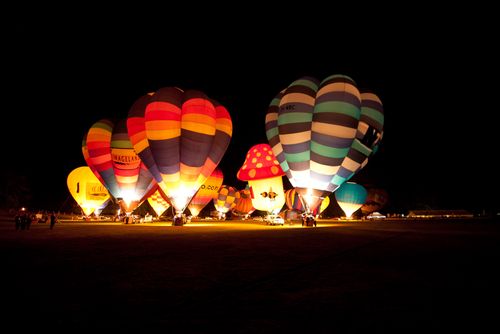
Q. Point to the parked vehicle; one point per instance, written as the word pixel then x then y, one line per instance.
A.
pixel 376 215
pixel 274 220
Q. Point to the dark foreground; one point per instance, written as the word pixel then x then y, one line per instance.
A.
pixel 241 278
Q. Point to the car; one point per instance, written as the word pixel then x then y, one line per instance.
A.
pixel 376 215
pixel 274 220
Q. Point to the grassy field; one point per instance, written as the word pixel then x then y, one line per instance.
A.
pixel 244 277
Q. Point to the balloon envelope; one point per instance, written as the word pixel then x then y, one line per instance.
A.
pixel 207 192
pixel 158 203
pixel 264 176
pixel 350 197
pixel 311 126
pixel 226 199
pixel 124 175
pixel 181 136
pixel 88 192
pixel 244 205
pixel 293 202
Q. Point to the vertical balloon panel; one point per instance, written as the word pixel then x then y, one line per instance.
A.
pixel 99 150
pixel 335 121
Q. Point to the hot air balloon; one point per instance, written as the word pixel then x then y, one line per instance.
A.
pixel 181 136
pixel 244 206
pixel 87 190
pixel 311 128
pixel 350 197
pixel 114 158
pixel 158 203
pixel 264 176
pixel 207 192
pixel 226 199
pixel 293 202
pixel 376 199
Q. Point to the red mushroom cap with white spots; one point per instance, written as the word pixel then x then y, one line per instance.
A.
pixel 260 163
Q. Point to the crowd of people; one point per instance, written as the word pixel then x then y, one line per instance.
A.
pixel 23 219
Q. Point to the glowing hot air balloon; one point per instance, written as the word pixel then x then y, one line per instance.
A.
pixel 264 176
pixel 293 202
pixel 87 190
pixel 124 175
pixel 158 203
pixel 226 200
pixel 207 192
pixel 181 136
pixel 311 127
pixel 350 197
pixel 244 207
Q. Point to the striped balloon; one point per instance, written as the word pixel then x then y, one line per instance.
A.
pixel 311 127
pixel 207 192
pixel 112 154
pixel 186 133
pixel 226 199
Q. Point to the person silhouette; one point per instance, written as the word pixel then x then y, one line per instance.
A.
pixel 53 220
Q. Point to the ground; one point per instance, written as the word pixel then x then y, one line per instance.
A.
pixel 252 278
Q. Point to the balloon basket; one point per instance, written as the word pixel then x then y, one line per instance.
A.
pixel 178 221
pixel 308 221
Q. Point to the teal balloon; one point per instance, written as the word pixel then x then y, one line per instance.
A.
pixel 350 197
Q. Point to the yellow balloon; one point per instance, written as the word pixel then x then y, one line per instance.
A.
pixel 87 190
pixel 158 203
pixel 324 204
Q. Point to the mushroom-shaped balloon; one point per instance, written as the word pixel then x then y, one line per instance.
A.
pixel 87 190
pixel 264 176
pixel 350 197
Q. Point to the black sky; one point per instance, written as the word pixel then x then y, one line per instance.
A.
pixel 434 71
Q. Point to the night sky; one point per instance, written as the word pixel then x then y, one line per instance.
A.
pixel 432 73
